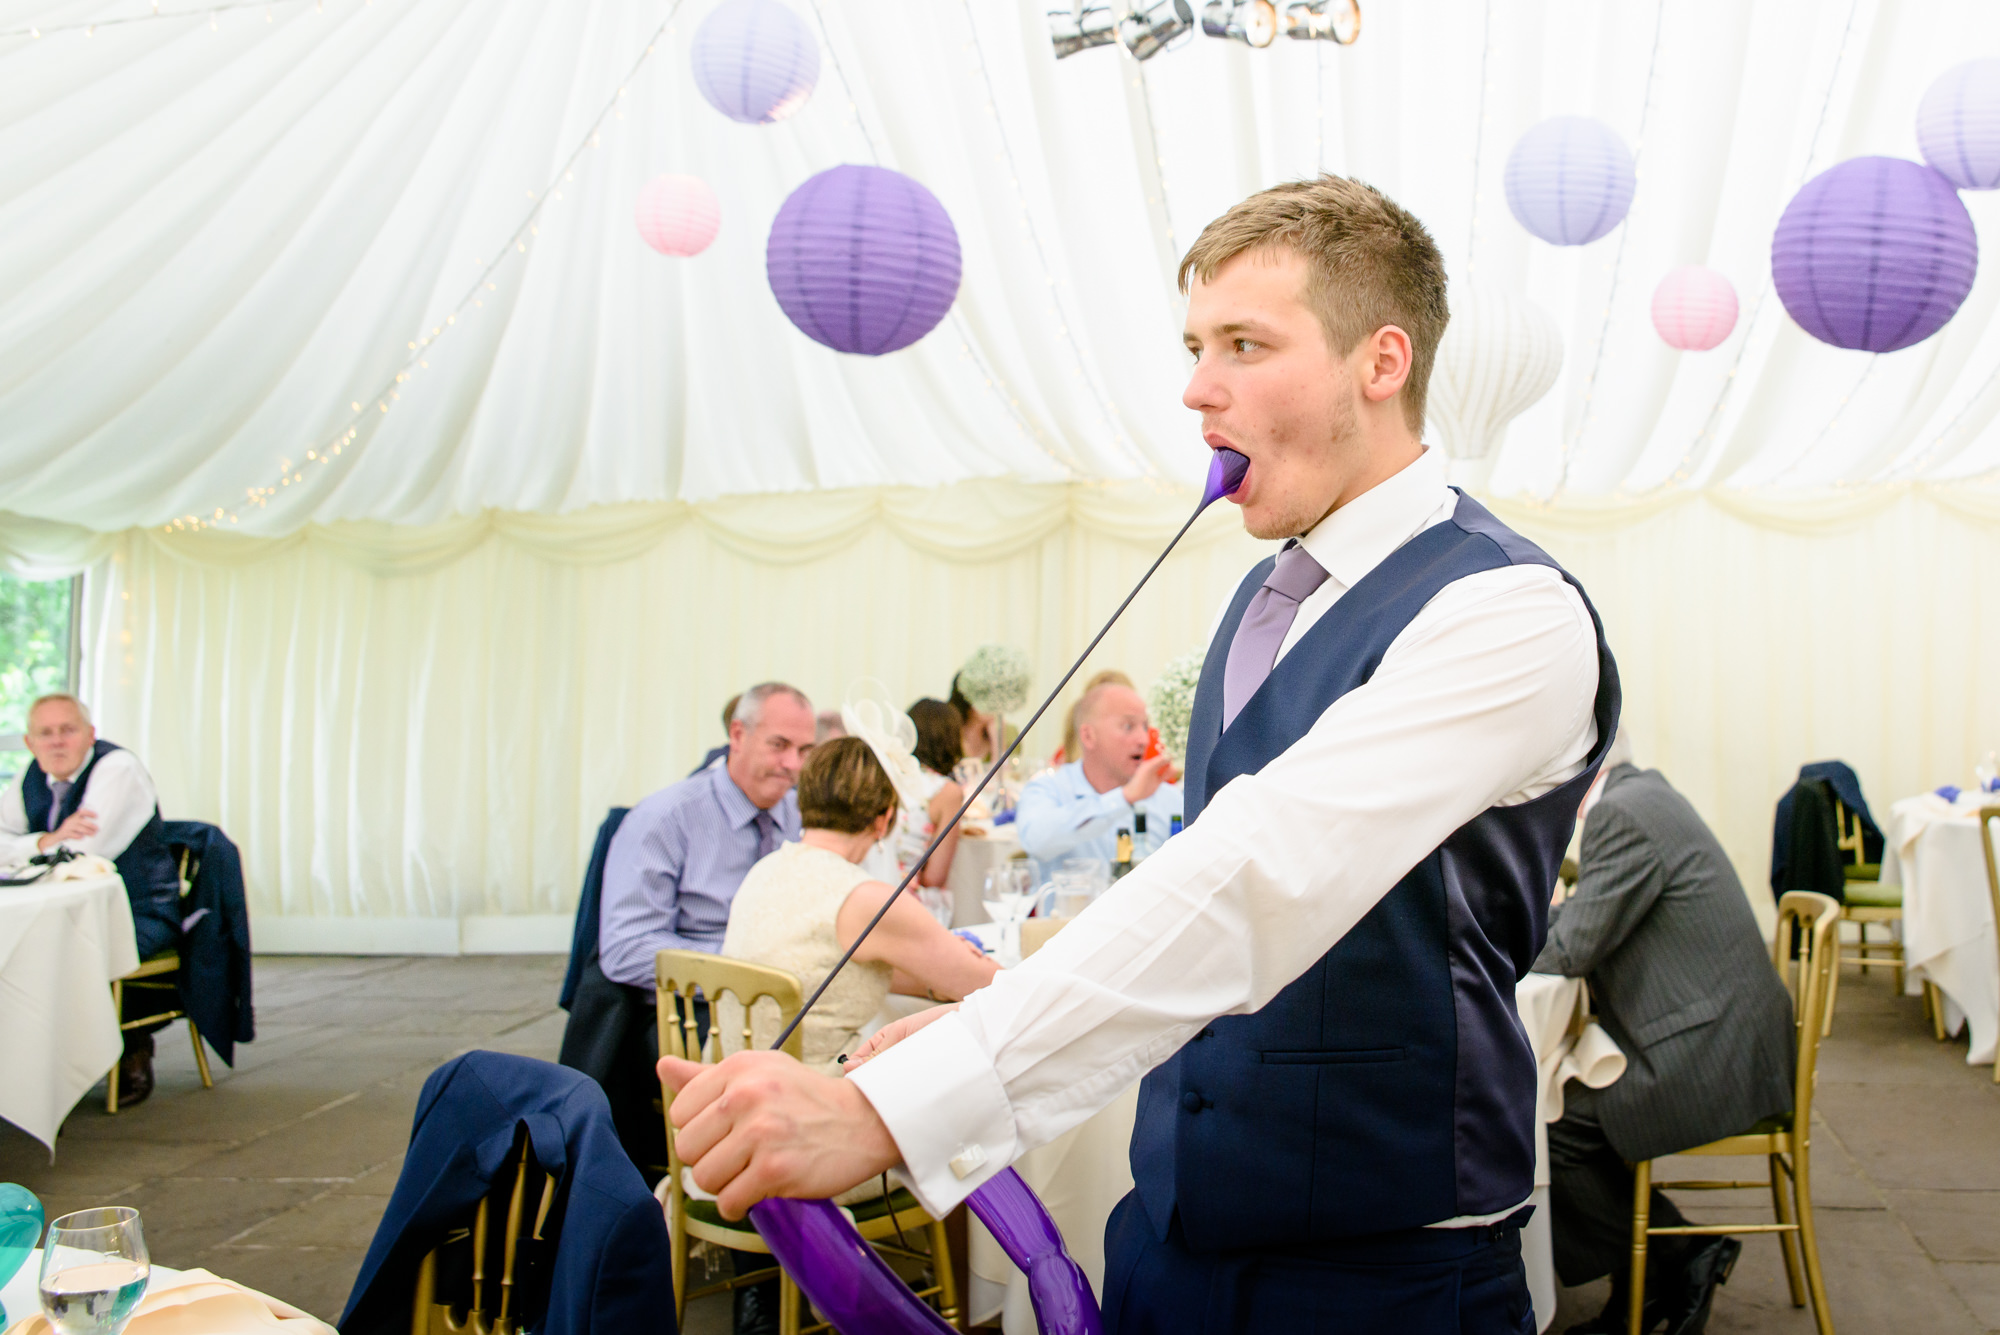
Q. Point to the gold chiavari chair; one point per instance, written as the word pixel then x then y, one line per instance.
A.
pixel 1869 902
pixel 160 974
pixel 1813 922
pixel 684 977
pixel 471 1248
pixel 1987 815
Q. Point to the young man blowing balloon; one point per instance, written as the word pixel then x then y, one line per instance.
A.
pixel 1396 720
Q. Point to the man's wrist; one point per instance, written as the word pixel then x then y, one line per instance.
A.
pixel 871 1134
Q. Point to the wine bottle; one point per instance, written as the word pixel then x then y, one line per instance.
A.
pixel 1124 861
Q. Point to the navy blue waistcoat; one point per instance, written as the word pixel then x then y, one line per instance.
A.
pixel 1391 1085
pixel 152 882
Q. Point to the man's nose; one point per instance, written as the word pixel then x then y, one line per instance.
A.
pixel 1203 394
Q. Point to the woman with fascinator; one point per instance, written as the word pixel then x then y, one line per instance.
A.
pixel 803 905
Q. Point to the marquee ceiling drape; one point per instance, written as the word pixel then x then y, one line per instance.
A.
pixel 226 230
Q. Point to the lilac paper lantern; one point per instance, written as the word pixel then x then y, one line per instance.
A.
pixel 755 61
pixel 1694 308
pixel 1570 180
pixel 863 259
pixel 677 215
pixel 1958 124
pixel 1874 254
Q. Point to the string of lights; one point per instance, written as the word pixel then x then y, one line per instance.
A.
pixel 1585 415
pixel 1079 363
pixel 369 410
pixel 1708 437
pixel 968 350
pixel 156 14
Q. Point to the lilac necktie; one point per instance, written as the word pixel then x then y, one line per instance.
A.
pixel 1270 614
pixel 768 834
pixel 58 794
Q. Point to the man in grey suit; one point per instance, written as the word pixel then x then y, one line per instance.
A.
pixel 1680 977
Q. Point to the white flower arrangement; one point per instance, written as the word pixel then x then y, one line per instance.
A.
pixel 995 679
pixel 1171 701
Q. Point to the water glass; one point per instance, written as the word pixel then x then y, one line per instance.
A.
pixel 94 1270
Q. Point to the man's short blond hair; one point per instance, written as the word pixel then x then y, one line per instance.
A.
pixel 1371 263
pixel 82 710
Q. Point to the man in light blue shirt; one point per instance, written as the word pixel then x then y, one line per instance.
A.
pixel 678 858
pixel 1076 811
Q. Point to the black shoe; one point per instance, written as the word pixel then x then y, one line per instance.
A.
pixel 757 1308
pixel 1616 1317
pixel 1705 1268
pixel 135 1070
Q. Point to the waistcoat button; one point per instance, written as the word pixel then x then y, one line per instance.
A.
pixel 1192 1102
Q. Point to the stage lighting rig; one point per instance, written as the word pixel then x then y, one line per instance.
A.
pixel 1251 22
pixel 1324 21
pixel 1072 30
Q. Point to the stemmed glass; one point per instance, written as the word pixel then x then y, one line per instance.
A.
pixel 1987 771
pixel 1010 895
pixel 94 1270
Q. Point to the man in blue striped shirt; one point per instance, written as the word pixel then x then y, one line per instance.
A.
pixel 678 858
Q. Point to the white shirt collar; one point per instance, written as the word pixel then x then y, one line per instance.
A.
pixel 1354 539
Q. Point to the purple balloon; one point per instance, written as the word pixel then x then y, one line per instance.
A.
pixel 1874 254
pixel 857 1293
pixel 1225 474
pixel 863 259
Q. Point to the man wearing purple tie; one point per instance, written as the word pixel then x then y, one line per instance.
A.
pixel 1397 717
pixel 680 854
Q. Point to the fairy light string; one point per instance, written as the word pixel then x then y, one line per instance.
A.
pixel 371 408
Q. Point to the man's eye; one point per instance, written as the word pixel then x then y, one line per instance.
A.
pixel 1244 345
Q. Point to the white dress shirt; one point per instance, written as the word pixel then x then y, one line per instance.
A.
pixel 1484 699
pixel 118 790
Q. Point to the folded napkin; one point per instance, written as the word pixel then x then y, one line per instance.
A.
pixel 86 868
pixel 199 1303
pixel 1594 1058
pixel 1949 792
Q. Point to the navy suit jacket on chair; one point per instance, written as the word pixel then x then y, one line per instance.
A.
pixel 612 1269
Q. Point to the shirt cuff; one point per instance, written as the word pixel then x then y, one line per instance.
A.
pixel 18 848
pixel 945 1108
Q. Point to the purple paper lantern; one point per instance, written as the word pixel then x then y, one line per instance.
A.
pixel 1958 124
pixel 1874 254
pixel 755 61
pixel 1570 180
pixel 863 259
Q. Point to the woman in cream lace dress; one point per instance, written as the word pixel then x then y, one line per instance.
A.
pixel 803 905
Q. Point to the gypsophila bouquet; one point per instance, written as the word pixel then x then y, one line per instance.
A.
pixel 995 679
pixel 1171 701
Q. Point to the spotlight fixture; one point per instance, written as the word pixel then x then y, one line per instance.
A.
pixel 1251 22
pixel 1152 24
pixel 1071 31
pixel 1324 20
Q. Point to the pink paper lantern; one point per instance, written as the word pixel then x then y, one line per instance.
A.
pixel 1694 308
pixel 678 215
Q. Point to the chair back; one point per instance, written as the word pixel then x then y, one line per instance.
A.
pixel 583 937
pixel 467 1255
pixel 1802 949
pixel 1987 815
pixel 684 977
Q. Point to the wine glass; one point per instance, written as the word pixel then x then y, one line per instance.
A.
pixel 1987 771
pixel 94 1270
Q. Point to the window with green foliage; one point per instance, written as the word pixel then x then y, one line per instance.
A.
pixel 34 655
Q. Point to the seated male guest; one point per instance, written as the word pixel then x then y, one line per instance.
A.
pixel 680 854
pixel 1076 811
pixel 96 798
pixel 1680 977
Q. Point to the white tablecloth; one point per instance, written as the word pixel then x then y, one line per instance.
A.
pixel 1932 851
pixel 61 944
pixel 1081 1175
pixel 969 865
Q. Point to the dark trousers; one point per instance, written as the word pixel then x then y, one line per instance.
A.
pixel 152 932
pixel 1590 1199
pixel 1418 1281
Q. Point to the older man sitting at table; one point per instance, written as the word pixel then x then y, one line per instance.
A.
pixel 95 797
pixel 1077 810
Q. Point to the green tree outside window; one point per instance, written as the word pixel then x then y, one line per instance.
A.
pixel 34 653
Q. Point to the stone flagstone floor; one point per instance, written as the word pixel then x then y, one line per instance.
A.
pixel 278 1176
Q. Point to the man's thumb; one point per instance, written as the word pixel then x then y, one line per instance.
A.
pixel 675 1073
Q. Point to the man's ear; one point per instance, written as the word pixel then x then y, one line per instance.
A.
pixel 1387 359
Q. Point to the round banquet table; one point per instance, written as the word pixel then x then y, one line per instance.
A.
pixel 1083 1173
pixel 1932 851
pixel 22 1301
pixel 61 944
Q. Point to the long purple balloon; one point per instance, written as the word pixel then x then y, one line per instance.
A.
pixel 857 1293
